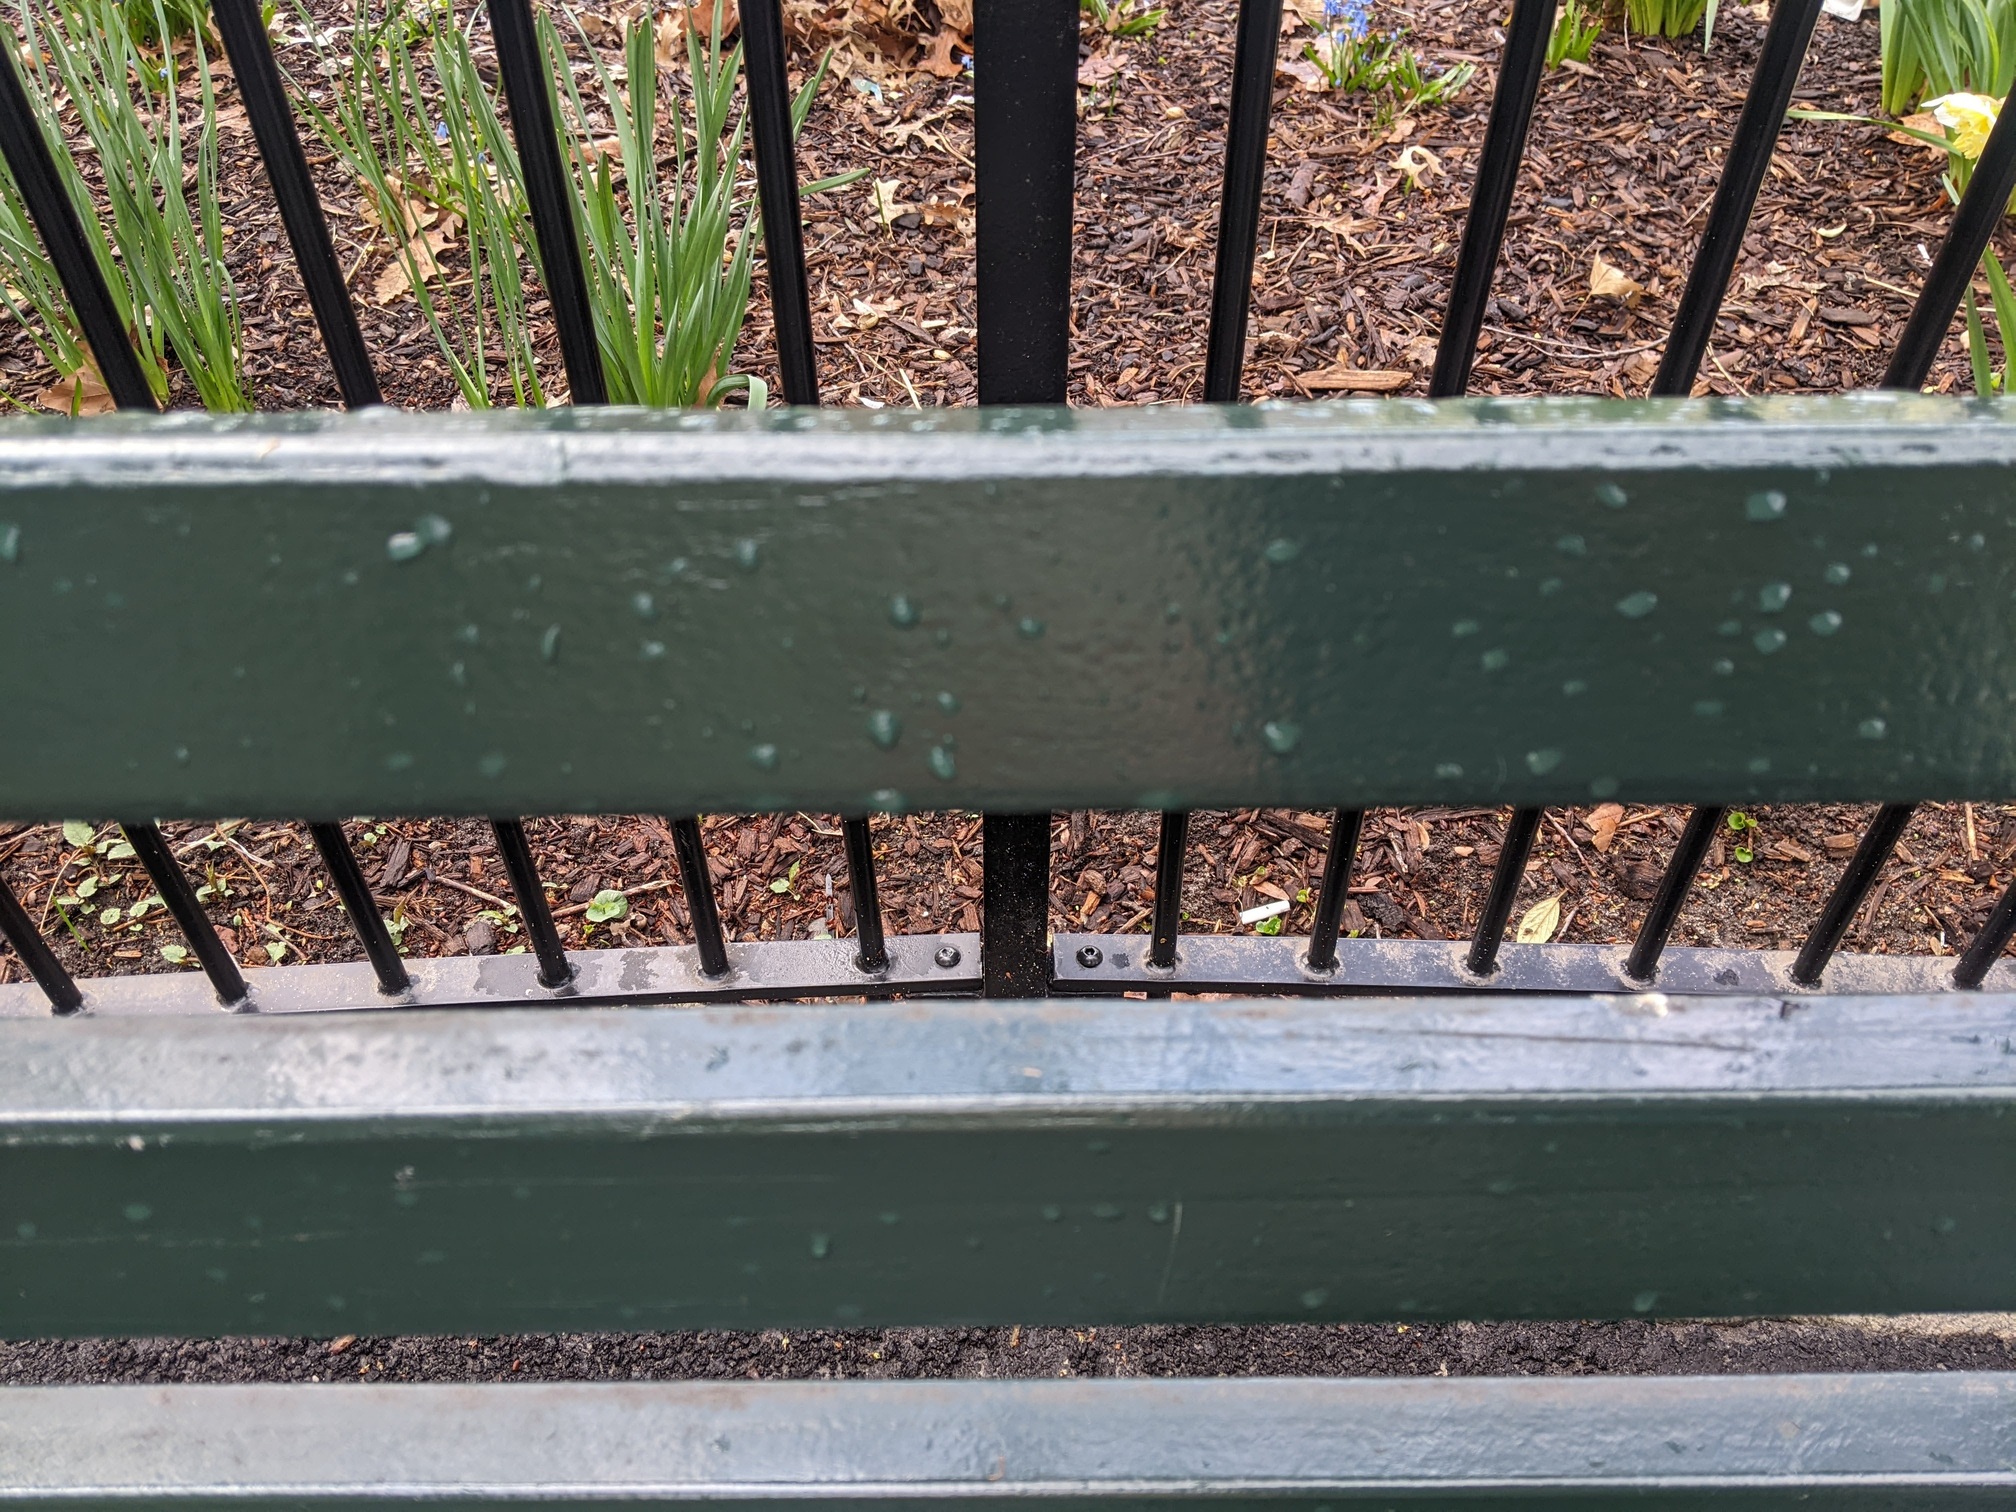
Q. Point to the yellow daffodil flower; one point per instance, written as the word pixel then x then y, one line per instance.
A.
pixel 1968 118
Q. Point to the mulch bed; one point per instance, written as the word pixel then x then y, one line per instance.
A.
pixel 1353 271
pixel 1633 1347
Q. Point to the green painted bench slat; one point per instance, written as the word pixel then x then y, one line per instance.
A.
pixel 1336 604
pixel 1062 1162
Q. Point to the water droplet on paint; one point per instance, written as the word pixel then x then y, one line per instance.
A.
pixel 1495 660
pixel 1774 596
pixel 942 765
pixel 902 613
pixel 433 529
pixel 1574 545
pixel 949 702
pixel 138 1212
pixel 822 1246
pixel 403 546
pixel 884 728
pixel 1723 667
pixel 1281 551
pixel 1281 735
pixel 1315 1297
pixel 1837 573
pixel 747 554
pixel 1029 629
pixel 10 543
pixel 491 765
pixel 651 650
pixel 1826 622
pixel 1613 496
pixel 1768 639
pixel 1769 504
pixel 1872 729
pixel 1637 605
pixel 643 606
pixel 764 756
pixel 1645 1301
pixel 549 644
pixel 1708 708
pixel 1541 762
pixel 1575 687
pixel 1464 627
pixel 1449 771
pixel 1602 787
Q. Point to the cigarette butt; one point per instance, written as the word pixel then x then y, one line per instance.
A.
pixel 1265 911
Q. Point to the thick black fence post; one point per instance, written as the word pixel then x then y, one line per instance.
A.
pixel 1025 120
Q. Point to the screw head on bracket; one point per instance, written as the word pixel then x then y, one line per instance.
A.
pixel 1089 956
pixel 947 956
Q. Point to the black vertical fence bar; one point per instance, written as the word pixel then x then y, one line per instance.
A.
pixel 173 884
pixel 341 863
pixel 1015 905
pixel 533 908
pixel 20 932
pixel 1253 63
pixel 698 882
pixel 243 29
pixel 1505 879
pixel 1331 897
pixel 1785 42
pixel 528 95
pixel 1168 915
pixel 777 193
pixel 1025 116
pixel 1981 209
pixel 28 157
pixel 1986 948
pixel 1491 198
pixel 874 952
pixel 1850 891
pixel 791 315
pixel 1643 962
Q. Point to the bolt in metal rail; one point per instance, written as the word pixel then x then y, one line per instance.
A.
pixel 1025 123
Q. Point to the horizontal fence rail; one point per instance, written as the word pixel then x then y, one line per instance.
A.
pixel 1764 1443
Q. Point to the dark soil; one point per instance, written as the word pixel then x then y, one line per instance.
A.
pixel 1986 1342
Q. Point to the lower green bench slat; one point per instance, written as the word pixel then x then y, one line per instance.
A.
pixel 943 1163
pixel 1832 1441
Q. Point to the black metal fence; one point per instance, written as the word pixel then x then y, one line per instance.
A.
pixel 1025 110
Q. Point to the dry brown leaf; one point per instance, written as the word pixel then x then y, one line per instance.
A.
pixel 1603 821
pixel 1418 166
pixel 941 212
pixel 1344 380
pixel 423 252
pixel 82 393
pixel 1607 281
pixel 938 60
pixel 1306 74
pixel 882 195
pixel 1538 923
pixel 1924 121
pixel 957 16
pixel 1100 67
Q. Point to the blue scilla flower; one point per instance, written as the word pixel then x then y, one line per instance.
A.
pixel 1348 20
